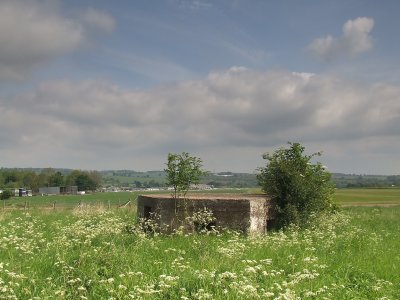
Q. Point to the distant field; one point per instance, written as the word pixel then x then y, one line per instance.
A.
pixel 71 201
pixel 344 197
pixel 110 199
pixel 367 197
pixel 360 196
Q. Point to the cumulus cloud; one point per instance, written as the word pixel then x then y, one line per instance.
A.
pixel 355 40
pixel 234 113
pixel 34 32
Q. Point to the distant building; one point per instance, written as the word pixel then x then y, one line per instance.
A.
pixel 22 192
pixel 58 190
pixel 69 190
pixel 201 186
pixel 49 190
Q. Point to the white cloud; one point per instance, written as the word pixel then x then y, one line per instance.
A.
pixel 33 33
pixel 96 124
pixel 355 40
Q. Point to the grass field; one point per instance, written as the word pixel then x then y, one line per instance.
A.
pixel 71 201
pixel 344 197
pixel 111 200
pixel 87 252
pixel 351 197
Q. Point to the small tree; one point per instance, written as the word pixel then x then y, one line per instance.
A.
pixel 6 195
pixel 299 187
pixel 182 171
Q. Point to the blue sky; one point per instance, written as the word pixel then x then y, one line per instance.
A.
pixel 119 84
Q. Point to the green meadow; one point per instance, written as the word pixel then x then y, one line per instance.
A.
pixel 368 196
pixel 94 251
pixel 346 197
pixel 71 201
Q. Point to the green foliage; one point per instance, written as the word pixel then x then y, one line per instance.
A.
pixel 71 202
pixel 90 255
pixel 10 177
pixel 35 178
pixel 84 180
pixel 6 195
pixel 203 220
pixel 300 188
pixel 368 181
pixel 182 171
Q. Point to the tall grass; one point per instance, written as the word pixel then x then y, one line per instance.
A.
pixel 89 254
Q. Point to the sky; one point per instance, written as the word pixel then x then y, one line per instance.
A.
pixel 99 84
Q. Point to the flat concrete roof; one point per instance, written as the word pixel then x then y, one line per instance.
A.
pixel 211 196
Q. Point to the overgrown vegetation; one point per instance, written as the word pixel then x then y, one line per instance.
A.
pixel 89 254
pixel 4 195
pixel 300 189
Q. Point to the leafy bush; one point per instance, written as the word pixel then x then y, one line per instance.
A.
pixel 300 188
pixel 202 220
pixel 6 195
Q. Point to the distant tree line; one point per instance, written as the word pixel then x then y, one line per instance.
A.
pixel 90 180
pixel 34 179
pixel 240 180
pixel 150 179
pixel 365 181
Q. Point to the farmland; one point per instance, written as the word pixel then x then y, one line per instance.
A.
pixel 371 197
pixel 96 251
pixel 70 201
pixel 343 197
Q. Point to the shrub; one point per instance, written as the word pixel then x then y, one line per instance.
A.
pixel 202 220
pixel 6 195
pixel 299 188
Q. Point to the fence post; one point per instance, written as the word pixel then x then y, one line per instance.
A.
pixel 109 205
pixel 54 205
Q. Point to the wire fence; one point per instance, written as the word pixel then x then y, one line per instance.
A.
pixel 75 204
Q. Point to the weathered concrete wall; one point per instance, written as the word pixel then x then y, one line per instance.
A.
pixel 258 215
pixel 247 213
